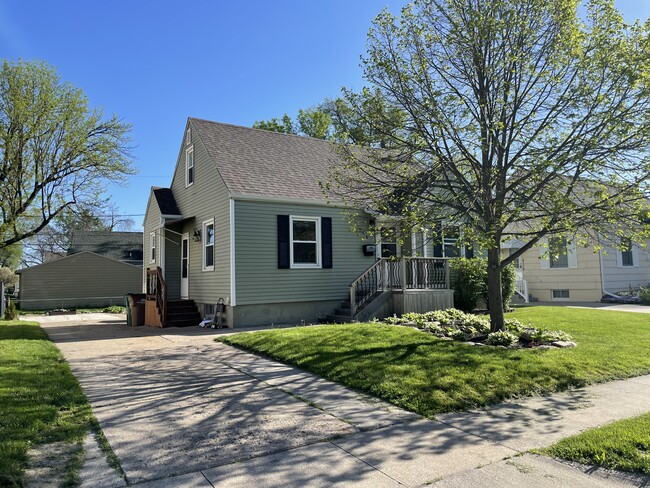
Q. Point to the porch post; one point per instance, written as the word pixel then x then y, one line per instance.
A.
pixel 447 277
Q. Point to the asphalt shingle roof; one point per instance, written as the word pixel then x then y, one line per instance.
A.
pixel 270 164
pixel 166 201
pixel 121 246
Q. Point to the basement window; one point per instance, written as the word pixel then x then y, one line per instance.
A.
pixel 561 294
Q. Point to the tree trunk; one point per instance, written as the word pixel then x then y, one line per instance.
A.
pixel 495 295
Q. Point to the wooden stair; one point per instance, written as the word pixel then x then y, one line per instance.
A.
pixel 182 313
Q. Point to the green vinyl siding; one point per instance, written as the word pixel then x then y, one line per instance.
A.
pixel 83 279
pixel 256 248
pixel 207 198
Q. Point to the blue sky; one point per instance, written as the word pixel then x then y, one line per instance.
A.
pixel 154 63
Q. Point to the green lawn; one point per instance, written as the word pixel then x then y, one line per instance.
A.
pixel 40 400
pixel 427 375
pixel 623 445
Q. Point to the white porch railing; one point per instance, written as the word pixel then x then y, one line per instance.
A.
pixel 521 287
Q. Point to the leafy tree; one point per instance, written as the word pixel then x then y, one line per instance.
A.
pixel 364 119
pixel 10 256
pixel 56 153
pixel 7 276
pixel 314 123
pixel 284 125
pixel 522 120
pixel 53 241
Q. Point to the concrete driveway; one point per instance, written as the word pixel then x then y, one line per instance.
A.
pixel 172 401
pixel 180 410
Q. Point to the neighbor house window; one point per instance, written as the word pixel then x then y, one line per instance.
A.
pixel 305 242
pixel 208 245
pixel 189 166
pixel 558 252
pixel 560 294
pixel 152 246
pixel 627 256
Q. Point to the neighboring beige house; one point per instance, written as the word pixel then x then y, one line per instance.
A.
pixel 577 273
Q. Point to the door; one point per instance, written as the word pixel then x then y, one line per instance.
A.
pixel 185 265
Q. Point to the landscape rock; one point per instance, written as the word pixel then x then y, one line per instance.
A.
pixel 564 344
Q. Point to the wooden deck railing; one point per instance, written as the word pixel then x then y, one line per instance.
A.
pixel 407 273
pixel 157 291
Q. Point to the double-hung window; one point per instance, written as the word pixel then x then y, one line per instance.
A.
pixel 627 255
pixel 152 247
pixel 208 245
pixel 189 166
pixel 558 254
pixel 305 245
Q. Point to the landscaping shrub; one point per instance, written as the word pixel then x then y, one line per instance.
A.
pixel 470 282
pixel 470 276
pixel 644 295
pixel 460 326
pixel 11 312
pixel 502 338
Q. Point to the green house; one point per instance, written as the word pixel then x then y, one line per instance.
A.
pixel 245 223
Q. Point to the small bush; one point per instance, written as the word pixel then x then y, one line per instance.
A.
pixel 501 338
pixel 480 324
pixel 434 328
pixel 514 326
pixel 644 295
pixel 470 283
pixel 114 309
pixel 460 335
pixel 11 312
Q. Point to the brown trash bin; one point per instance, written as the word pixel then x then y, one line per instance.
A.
pixel 139 317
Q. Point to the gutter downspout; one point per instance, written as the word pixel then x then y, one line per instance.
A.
pixel 602 274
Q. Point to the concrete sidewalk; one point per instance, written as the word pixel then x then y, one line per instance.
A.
pixel 182 411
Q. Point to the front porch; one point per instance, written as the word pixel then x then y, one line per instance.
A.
pixel 396 286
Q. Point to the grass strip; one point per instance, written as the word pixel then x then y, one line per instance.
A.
pixel 422 373
pixel 40 400
pixel 623 445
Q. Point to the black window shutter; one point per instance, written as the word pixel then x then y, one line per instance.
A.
pixel 326 240
pixel 469 252
pixel 284 256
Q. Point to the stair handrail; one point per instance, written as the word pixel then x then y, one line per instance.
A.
pixel 372 279
pixel 157 291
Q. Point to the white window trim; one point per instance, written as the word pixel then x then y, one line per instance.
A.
pixel 204 241
pixel 545 256
pixel 635 257
pixel 188 136
pixel 319 260
pixel 561 299
pixel 152 247
pixel 187 166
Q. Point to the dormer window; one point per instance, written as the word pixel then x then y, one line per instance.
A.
pixel 189 166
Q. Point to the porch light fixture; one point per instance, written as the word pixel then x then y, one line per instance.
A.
pixel 196 234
